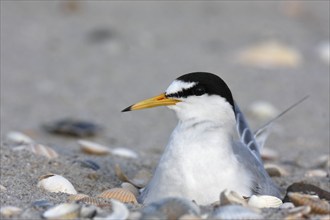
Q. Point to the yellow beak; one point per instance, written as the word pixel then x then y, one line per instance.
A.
pixel 160 100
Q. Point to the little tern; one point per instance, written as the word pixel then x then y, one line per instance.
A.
pixel 202 157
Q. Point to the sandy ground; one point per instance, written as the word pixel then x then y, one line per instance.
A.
pixel 89 60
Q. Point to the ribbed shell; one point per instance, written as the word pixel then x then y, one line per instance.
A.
pixel 120 194
pixel 318 206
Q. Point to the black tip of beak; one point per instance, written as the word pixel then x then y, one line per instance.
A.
pixel 127 109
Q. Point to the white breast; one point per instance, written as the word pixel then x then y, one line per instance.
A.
pixel 197 164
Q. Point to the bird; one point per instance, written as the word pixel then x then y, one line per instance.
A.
pixel 212 148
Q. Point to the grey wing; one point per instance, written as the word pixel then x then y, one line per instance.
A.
pixel 262 183
pixel 245 133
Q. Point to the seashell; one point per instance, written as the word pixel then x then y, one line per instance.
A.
pixel 10 211
pixel 99 202
pixel 89 164
pixel 264 201
pixel 139 181
pixel 56 183
pixel 124 152
pixel 269 55
pixel 2 188
pixel 307 189
pixel 119 212
pixel 235 212
pixel 93 148
pixel 316 173
pixel 42 204
pixel 275 170
pixel 263 110
pixel 323 162
pixel 87 211
pixel 228 197
pixel 170 208
pixel 318 206
pixel 18 138
pixel 76 197
pixel 287 205
pixel 120 194
pixel 63 211
pixel 39 149
pixel 131 188
pixel 298 212
pixel 190 217
pixel 268 154
pixel 73 127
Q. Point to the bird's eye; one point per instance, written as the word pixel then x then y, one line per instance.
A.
pixel 199 90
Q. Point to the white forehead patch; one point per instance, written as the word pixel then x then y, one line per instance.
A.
pixel 178 85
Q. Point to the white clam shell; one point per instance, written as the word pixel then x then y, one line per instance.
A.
pixel 18 138
pixel 235 212
pixel 263 110
pixel 93 148
pixel 264 201
pixel 63 211
pixel 10 211
pixel 231 197
pixel 39 149
pixel 56 183
pixel 119 212
pixel 124 152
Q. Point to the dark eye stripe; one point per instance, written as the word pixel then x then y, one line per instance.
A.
pixel 185 93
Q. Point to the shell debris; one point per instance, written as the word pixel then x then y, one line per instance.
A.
pixel 139 181
pixel 120 194
pixel 96 201
pixel 316 173
pixel 228 197
pixel 275 170
pixel 10 211
pixel 119 212
pixel 63 211
pixel 93 148
pixel 263 110
pixel 264 201
pixel 18 138
pixel 56 183
pixel 130 187
pixel 76 197
pixel 298 212
pixel 270 54
pixel 124 152
pixel 269 154
pixel 318 206
pixel 39 149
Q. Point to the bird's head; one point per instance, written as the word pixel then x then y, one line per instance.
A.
pixel 194 95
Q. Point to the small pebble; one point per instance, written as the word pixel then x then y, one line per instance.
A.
pixel 10 211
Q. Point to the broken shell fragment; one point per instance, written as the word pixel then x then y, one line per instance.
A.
pixel 139 181
pixel 2 188
pixel 270 54
pixel 99 202
pixel 120 194
pixel 56 183
pixel 234 212
pixel 264 201
pixel 93 148
pixel 318 206
pixel 10 211
pixel 39 149
pixel 124 152
pixel 263 110
pixel 275 170
pixel 131 188
pixel 18 138
pixel 76 197
pixel 228 197
pixel 119 212
pixel 63 211
pixel 316 173
pixel 268 154
pixel 298 212
pixel 170 208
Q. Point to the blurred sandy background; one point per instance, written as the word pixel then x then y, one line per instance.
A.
pixel 91 59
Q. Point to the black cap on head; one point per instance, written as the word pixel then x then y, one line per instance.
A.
pixel 206 83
